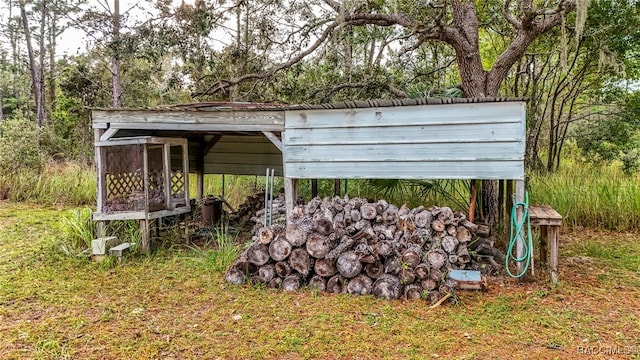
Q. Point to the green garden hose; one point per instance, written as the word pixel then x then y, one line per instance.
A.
pixel 517 234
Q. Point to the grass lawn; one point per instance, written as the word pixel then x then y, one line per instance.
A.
pixel 175 305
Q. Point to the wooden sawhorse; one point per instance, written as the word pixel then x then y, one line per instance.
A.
pixel 549 221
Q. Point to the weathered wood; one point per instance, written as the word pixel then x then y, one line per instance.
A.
pixel 325 267
pixel 346 243
pixel 412 292
pixel 438 225
pixel 390 215
pixel 275 283
pixel 297 232
pixel 300 261
pixel 392 266
pixel 336 284
pixel 266 273
pixel 235 276
pixel 258 254
pixel 348 264
pixel 412 256
pixel 368 211
pixel 422 271
pixel 279 249
pixel 449 244
pixel 422 219
pixel 318 245
pixel 407 276
pixel 360 285
pixel 323 226
pixel 452 230
pixel 436 258
pixel 265 235
pixel 374 270
pixel 463 254
pixel 463 234
pixel 317 282
pixel 387 287
pixel 291 283
pixel 428 284
pixel 282 269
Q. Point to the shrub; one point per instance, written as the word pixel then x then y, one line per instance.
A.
pixel 19 149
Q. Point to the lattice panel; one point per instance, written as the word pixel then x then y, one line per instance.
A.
pixel 177 184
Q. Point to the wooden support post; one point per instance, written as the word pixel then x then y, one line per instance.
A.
pixel 290 194
pixel 200 171
pixel 314 188
pixel 336 187
pixel 146 240
pixel 544 236
pixel 509 205
pixel 553 257
pixel 519 215
pixel 501 200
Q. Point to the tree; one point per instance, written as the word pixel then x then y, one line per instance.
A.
pixel 36 66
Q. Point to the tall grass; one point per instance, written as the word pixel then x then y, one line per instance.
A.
pixel 590 195
pixel 58 184
pixel 586 195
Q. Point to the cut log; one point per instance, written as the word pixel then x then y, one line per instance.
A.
pixel 318 282
pixel 463 255
pixel 433 297
pixel 279 249
pixel 407 276
pixel 348 264
pixel 300 261
pixel 291 283
pixel 436 258
pixel 483 230
pixel 318 245
pixel 392 266
pixel 258 254
pixel 265 235
pixel 390 215
pixel 336 284
pixel 346 243
pixel 452 230
pixel 428 284
pixel 438 226
pixel 422 271
pixel 453 258
pixel 355 215
pixel 275 283
pixel 405 223
pixel 381 206
pixel 235 276
pixel 297 232
pixel 375 270
pixel 323 226
pixel 360 285
pixel 282 269
pixel 412 256
pixel 383 248
pixel 463 234
pixel 325 267
pixel 422 219
pixel 387 287
pixel 449 244
pixel 368 211
pixel 436 275
pixel 266 273
pixel 469 225
pixel 420 236
pixel 412 292
pixel 445 215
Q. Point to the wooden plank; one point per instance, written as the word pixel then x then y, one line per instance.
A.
pixel 166 158
pixel 241 169
pixel 290 195
pixel 187 117
pixel 139 215
pixel 274 139
pixel 100 172
pixel 553 257
pixel 406 152
pixel 409 170
pixel 396 134
pixel 407 115
pixel 108 134
pixel 197 127
pixel 185 166
pixel 243 158
pixel 246 147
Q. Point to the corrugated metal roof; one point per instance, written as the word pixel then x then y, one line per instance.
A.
pixel 351 104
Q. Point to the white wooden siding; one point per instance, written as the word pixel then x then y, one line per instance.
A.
pixel 453 141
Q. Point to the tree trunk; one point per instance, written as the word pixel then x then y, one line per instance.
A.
pixel 348 264
pixel 360 285
pixel 300 261
pixel 37 78
pixel 115 66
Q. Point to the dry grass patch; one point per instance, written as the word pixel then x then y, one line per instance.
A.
pixel 172 305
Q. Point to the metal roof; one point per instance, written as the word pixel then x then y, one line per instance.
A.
pixel 350 104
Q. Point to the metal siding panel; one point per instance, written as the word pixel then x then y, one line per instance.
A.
pixel 408 170
pixel 404 134
pixel 405 115
pixel 405 152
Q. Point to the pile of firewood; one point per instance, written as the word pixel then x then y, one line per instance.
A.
pixel 354 246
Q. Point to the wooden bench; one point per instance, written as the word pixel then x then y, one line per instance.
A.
pixel 549 221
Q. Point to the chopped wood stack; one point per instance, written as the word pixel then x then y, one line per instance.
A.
pixel 251 211
pixel 354 246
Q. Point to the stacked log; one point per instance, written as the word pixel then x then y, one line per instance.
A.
pixel 251 212
pixel 359 247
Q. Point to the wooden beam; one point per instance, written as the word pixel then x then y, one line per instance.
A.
pixel 108 134
pixel 274 139
pixel 200 171
pixel 290 195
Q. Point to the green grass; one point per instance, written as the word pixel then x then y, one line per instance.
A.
pixel 174 303
pixel 590 196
